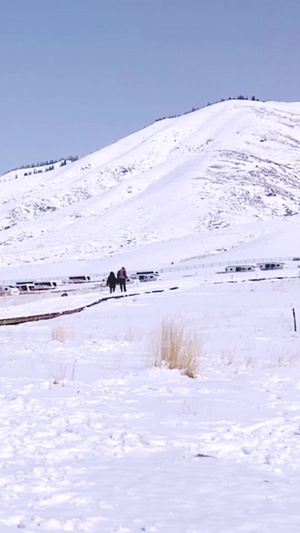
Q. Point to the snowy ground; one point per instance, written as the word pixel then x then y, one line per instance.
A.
pixel 94 438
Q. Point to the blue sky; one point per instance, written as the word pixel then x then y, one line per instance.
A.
pixel 77 75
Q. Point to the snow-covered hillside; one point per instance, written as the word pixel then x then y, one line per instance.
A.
pixel 231 163
pixel 98 436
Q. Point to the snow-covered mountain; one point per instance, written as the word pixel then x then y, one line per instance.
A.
pixel 232 163
pixel 98 434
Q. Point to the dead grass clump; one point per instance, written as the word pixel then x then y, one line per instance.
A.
pixel 175 348
pixel 61 373
pixel 287 360
pixel 61 334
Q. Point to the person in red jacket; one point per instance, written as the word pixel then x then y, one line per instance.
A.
pixel 122 276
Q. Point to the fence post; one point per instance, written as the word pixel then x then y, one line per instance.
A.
pixel 294 317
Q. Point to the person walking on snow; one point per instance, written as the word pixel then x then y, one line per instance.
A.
pixel 111 282
pixel 122 275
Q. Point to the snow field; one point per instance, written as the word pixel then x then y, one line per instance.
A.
pixel 95 438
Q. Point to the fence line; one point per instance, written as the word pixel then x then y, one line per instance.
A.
pixel 225 263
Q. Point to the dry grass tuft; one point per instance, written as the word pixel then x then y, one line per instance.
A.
pixel 174 348
pixel 61 373
pixel 287 360
pixel 61 334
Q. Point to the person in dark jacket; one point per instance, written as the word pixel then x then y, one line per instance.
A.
pixel 122 275
pixel 111 282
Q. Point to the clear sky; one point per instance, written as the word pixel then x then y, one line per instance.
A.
pixel 77 75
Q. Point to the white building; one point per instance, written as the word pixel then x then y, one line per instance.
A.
pixel 271 265
pixel 147 275
pixel 240 268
